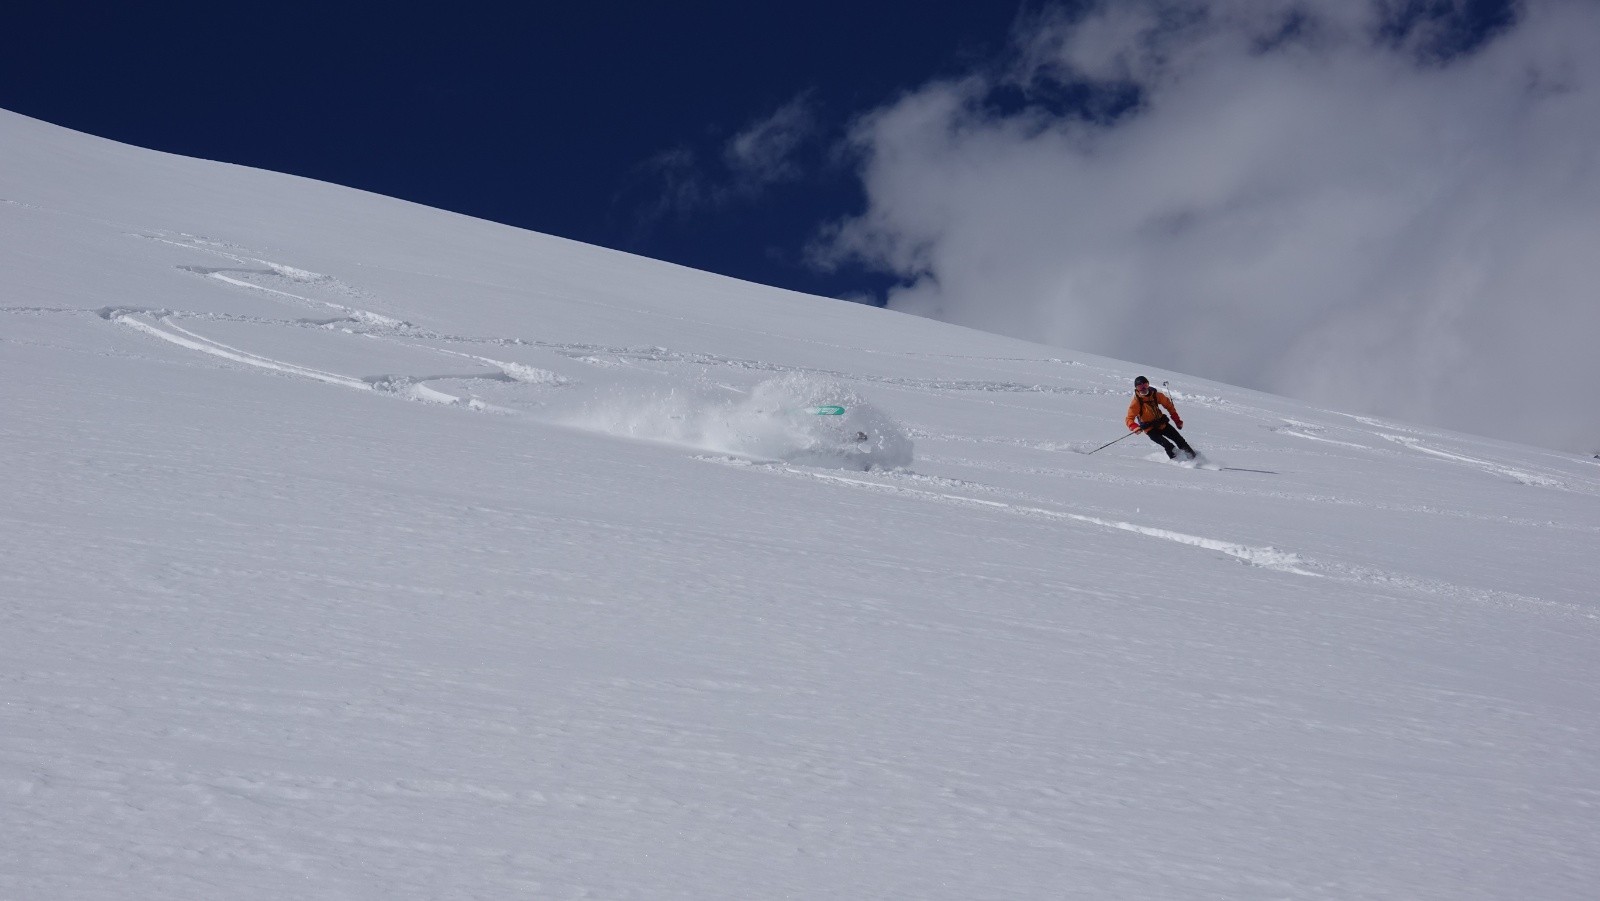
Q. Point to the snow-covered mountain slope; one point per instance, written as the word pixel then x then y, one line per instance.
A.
pixel 352 549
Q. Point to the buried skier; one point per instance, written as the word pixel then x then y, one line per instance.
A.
pixel 1145 415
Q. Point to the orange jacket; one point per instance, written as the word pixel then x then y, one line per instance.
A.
pixel 1145 410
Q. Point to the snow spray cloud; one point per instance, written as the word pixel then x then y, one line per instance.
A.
pixel 791 418
pixel 1376 205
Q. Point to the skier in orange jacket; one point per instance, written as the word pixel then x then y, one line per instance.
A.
pixel 1145 415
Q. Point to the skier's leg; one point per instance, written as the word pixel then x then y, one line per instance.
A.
pixel 1157 437
pixel 1182 444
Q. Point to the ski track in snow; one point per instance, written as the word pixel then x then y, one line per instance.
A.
pixel 183 338
pixel 1526 478
pixel 1269 558
pixel 411 387
pixel 1245 491
pixel 1306 433
pixel 1264 557
pixel 163 324
pixel 1414 441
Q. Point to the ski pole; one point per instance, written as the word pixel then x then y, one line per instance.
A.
pixel 1109 443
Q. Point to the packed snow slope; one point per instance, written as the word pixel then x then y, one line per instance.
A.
pixel 352 549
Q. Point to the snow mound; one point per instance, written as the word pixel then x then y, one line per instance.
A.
pixel 779 419
pixel 528 375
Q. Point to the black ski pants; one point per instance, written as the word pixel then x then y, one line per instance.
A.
pixel 1166 435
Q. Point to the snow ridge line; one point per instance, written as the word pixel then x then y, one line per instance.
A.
pixel 1264 557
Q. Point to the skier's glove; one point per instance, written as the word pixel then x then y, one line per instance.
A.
pixel 1177 422
pixel 1135 427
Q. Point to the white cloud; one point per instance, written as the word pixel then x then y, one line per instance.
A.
pixel 1336 200
pixel 765 151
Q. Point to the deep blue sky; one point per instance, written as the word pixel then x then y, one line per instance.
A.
pixel 551 117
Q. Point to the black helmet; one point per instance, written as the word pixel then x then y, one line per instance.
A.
pixel 1141 380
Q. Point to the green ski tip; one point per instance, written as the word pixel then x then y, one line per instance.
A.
pixel 826 411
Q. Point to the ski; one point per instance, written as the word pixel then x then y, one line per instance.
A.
pixel 828 410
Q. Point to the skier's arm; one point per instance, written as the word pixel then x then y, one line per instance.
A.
pixel 1172 408
pixel 1133 415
